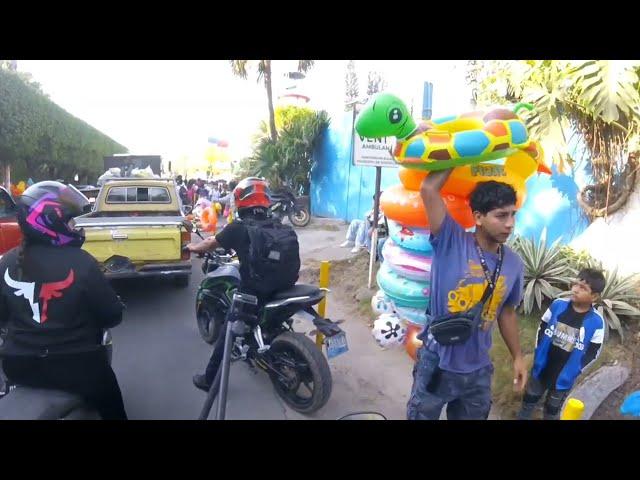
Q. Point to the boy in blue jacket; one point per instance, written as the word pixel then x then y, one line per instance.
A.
pixel 569 339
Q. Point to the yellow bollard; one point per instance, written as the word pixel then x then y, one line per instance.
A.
pixel 573 410
pixel 324 283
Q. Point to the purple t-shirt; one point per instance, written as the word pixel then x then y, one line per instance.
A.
pixel 458 282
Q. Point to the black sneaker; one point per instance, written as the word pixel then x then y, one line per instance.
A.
pixel 200 381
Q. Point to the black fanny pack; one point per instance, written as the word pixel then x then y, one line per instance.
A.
pixel 457 328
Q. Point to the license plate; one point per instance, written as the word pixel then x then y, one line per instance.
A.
pixel 336 345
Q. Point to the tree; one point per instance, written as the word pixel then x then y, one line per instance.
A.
pixel 43 139
pixel 375 83
pixel 239 68
pixel 351 82
pixel 593 104
pixel 289 159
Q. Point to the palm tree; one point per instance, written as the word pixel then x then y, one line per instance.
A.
pixel 592 103
pixel 239 68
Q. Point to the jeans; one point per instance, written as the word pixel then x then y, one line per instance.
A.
pixel 358 232
pixel 534 392
pixel 467 395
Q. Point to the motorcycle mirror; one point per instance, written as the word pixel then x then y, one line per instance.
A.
pixel 364 416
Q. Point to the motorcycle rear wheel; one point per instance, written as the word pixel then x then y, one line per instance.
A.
pixel 210 322
pixel 308 383
pixel 301 218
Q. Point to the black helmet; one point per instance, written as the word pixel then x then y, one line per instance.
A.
pixel 45 210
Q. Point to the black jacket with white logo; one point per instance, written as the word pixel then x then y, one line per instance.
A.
pixel 60 304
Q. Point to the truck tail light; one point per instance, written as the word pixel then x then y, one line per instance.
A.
pixel 185 239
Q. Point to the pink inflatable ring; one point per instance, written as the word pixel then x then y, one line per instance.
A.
pixel 407 264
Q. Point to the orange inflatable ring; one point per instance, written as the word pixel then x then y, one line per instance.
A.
pixel 209 219
pixel 515 171
pixel 405 207
pixel 411 343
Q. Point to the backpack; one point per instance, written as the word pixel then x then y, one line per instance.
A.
pixel 274 256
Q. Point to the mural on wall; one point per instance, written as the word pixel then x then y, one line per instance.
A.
pixel 552 202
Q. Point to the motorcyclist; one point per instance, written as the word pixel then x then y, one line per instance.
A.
pixel 55 303
pixel 251 198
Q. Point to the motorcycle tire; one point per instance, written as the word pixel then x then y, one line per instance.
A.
pixel 210 324
pixel 311 368
pixel 301 218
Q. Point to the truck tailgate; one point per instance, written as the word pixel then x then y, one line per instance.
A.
pixel 139 240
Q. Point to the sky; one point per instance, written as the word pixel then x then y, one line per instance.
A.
pixel 171 107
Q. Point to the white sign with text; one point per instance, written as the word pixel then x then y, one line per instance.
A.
pixel 373 152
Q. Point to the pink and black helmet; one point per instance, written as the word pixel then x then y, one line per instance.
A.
pixel 45 210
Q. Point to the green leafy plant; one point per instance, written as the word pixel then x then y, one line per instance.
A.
pixel 579 259
pixel 593 103
pixel 289 159
pixel 240 69
pixel 39 139
pixel 546 271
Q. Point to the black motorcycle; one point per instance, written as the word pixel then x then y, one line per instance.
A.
pixel 18 402
pixel 265 339
pixel 287 204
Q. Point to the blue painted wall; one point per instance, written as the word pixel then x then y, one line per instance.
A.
pixel 552 202
pixel 341 190
pixel 338 188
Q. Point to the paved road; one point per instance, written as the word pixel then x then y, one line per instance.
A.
pixel 157 349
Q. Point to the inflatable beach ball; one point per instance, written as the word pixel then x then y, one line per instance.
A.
pixel 381 304
pixel 389 331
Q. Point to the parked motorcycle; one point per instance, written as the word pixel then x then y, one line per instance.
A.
pixel 264 338
pixel 287 204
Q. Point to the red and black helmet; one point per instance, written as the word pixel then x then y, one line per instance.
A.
pixel 252 192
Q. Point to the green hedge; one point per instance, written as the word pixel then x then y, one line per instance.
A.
pixel 42 140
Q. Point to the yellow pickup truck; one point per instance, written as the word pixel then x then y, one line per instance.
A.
pixel 137 229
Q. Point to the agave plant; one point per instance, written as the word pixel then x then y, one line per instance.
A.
pixel 546 270
pixel 619 298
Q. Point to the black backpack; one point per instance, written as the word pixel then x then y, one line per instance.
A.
pixel 274 256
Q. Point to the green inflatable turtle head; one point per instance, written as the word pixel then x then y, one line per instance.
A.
pixel 385 115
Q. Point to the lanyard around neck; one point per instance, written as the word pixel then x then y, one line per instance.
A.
pixel 483 262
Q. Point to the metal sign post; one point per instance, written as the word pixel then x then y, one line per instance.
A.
pixel 374 236
pixel 369 152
